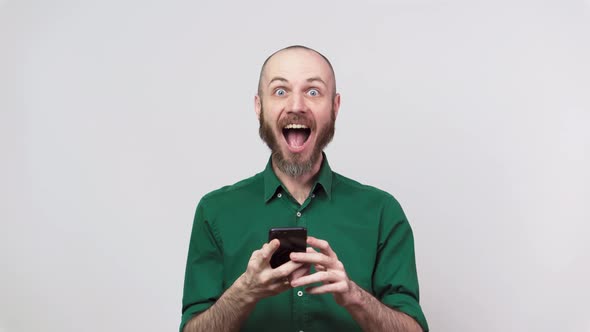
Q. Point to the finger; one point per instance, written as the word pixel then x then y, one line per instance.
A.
pixel 300 272
pixel 268 249
pixel 338 287
pixel 256 260
pixel 319 267
pixel 279 286
pixel 312 258
pixel 284 270
pixel 322 245
pixel 325 277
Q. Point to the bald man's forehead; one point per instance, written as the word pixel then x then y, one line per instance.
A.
pixel 297 64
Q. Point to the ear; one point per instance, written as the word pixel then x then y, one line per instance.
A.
pixel 257 106
pixel 336 105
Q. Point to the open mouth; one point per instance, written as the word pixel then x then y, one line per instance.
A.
pixel 296 135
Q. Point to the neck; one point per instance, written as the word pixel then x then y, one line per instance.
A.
pixel 300 186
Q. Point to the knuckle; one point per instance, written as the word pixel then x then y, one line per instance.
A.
pixel 282 273
pixel 333 275
pixel 263 279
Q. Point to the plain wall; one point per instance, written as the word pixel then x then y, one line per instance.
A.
pixel 117 116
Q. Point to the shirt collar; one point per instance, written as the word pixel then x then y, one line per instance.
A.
pixel 272 182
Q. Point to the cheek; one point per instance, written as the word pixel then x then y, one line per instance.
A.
pixel 272 109
pixel 325 116
pixel 271 118
pixel 325 107
pixel 270 113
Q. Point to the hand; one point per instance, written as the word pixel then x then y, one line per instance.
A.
pixel 330 272
pixel 300 272
pixel 260 280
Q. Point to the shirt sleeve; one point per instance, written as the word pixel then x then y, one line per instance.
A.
pixel 395 279
pixel 204 268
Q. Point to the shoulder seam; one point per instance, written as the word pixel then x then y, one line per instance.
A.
pixel 233 187
pixel 353 183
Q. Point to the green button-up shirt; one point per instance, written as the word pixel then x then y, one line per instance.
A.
pixel 365 226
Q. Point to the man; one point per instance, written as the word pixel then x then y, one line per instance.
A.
pixel 359 270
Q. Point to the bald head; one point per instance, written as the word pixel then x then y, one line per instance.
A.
pixel 294 48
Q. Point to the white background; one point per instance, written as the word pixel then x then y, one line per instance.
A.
pixel 117 116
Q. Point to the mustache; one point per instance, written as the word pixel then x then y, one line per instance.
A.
pixel 296 119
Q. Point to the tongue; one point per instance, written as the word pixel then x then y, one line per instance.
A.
pixel 296 137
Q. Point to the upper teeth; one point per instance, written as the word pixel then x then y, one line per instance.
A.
pixel 295 126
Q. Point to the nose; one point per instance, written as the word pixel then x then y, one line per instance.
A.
pixel 298 103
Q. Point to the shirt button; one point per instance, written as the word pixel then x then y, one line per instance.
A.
pixel 279 195
pixel 312 195
pixel 299 214
pixel 300 293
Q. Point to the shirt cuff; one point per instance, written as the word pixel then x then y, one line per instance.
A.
pixel 408 305
pixel 191 311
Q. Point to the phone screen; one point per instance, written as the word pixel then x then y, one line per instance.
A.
pixel 293 239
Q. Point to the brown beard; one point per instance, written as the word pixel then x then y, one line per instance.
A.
pixel 294 167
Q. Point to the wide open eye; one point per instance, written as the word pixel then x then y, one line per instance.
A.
pixel 280 92
pixel 313 92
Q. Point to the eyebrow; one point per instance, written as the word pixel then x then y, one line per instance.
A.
pixel 316 79
pixel 278 78
pixel 309 80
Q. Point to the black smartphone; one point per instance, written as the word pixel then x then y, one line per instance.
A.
pixel 293 239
